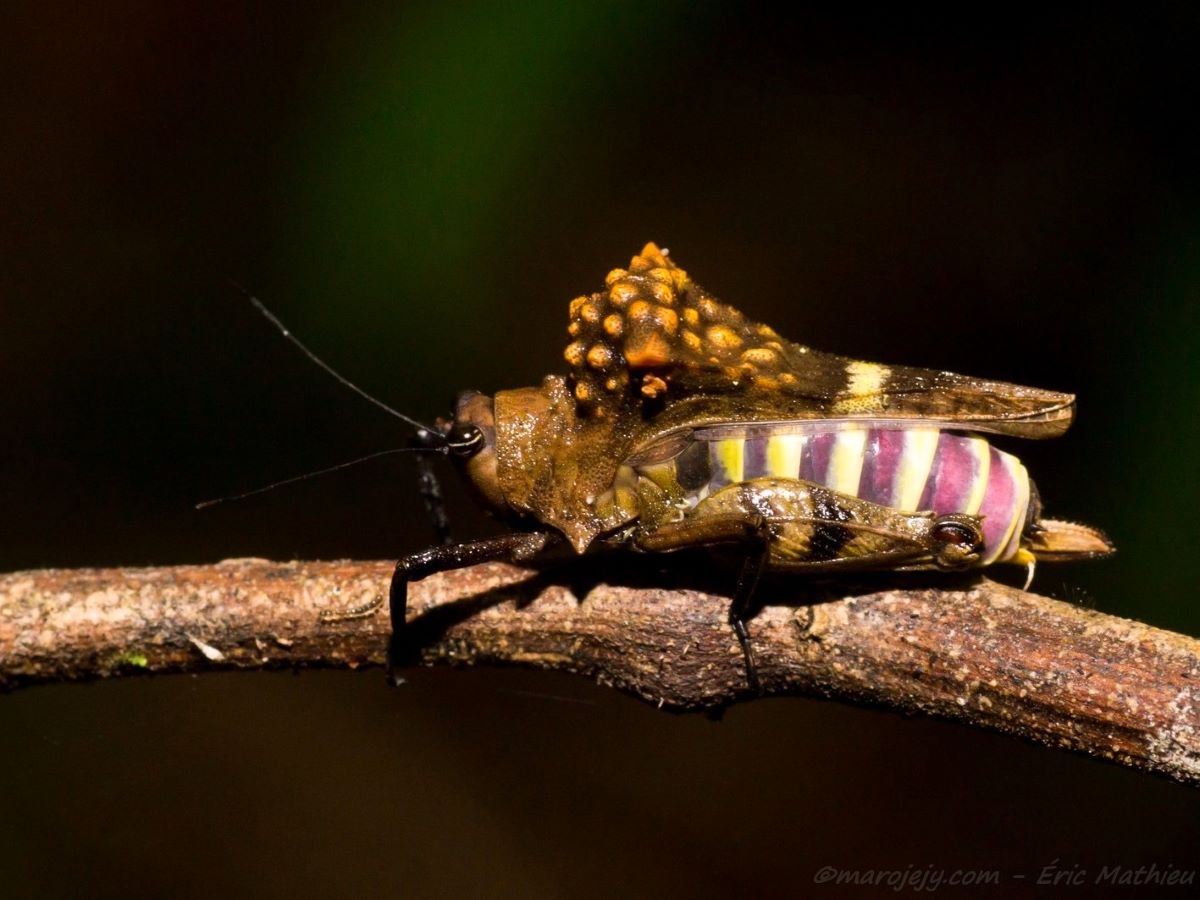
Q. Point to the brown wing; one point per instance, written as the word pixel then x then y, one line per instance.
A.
pixel 655 334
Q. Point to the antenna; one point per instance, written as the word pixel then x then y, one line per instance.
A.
pixel 283 329
pixel 342 465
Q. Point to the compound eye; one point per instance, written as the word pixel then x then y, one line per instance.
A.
pixel 464 440
pixel 959 534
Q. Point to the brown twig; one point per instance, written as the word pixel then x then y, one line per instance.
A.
pixel 989 655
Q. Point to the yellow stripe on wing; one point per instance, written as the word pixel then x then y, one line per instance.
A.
pixel 864 386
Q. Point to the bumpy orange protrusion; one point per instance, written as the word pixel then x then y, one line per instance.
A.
pixel 760 356
pixel 722 338
pixel 622 293
pixel 652 386
pixel 640 310
pixel 599 357
pixel 652 316
pixel 574 354
pixel 651 350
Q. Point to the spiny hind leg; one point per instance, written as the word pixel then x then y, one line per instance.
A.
pixel 803 527
pixel 818 530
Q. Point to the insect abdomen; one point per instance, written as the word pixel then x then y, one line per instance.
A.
pixel 906 469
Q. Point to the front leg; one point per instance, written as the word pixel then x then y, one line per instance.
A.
pixel 516 547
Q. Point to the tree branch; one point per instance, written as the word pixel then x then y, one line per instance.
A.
pixel 987 654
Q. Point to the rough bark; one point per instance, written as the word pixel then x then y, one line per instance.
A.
pixel 985 654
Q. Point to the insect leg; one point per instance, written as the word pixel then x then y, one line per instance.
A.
pixel 759 549
pixel 431 494
pixel 748 529
pixel 515 547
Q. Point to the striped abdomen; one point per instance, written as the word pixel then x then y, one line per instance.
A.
pixel 907 469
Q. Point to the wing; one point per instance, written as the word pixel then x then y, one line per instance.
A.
pixel 654 335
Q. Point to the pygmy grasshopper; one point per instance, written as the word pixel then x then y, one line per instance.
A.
pixel 682 423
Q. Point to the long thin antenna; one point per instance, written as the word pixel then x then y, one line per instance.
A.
pixel 283 329
pixel 342 465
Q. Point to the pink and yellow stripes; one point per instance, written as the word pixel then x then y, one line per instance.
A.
pixel 909 469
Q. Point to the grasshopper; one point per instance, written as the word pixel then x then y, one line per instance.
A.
pixel 682 423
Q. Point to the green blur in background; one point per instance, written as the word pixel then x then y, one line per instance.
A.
pixel 419 190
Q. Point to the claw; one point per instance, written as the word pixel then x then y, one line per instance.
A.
pixel 1024 558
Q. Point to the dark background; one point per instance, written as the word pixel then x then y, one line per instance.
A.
pixel 418 190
